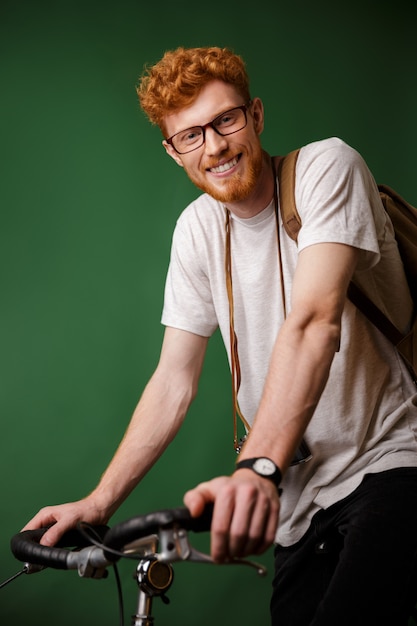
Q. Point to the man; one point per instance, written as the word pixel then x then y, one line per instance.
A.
pixel 311 366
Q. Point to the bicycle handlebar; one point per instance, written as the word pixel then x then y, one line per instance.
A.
pixel 92 558
pixel 26 547
pixel 151 523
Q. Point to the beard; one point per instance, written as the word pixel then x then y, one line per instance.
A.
pixel 238 187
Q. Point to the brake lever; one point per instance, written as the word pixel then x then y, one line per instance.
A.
pixel 175 546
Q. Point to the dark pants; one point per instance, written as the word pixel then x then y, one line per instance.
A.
pixel 357 563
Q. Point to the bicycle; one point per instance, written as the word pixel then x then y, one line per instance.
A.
pixel 156 540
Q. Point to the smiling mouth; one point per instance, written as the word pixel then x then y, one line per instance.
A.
pixel 224 167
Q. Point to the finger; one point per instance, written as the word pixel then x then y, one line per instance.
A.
pixel 272 525
pixel 194 501
pixel 220 526
pixel 267 536
pixel 247 531
pixel 53 535
pixel 205 493
pixel 44 517
pixel 250 521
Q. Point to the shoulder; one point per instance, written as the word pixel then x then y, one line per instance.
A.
pixel 200 227
pixel 202 213
pixel 331 166
pixel 331 152
pixel 337 199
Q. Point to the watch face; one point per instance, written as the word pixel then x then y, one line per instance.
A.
pixel 264 466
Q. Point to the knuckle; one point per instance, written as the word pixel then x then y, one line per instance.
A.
pixel 249 491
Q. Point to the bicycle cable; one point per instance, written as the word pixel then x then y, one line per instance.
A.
pixel 12 578
pixel 131 555
pixel 88 532
pixel 91 536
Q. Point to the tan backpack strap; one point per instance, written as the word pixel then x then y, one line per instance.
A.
pixel 286 177
pixel 292 224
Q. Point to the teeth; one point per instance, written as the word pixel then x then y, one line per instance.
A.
pixel 223 168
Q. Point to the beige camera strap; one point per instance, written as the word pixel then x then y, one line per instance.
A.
pixel 234 355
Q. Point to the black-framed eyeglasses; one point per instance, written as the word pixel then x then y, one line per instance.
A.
pixel 226 123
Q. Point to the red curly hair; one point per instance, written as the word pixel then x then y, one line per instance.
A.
pixel 176 80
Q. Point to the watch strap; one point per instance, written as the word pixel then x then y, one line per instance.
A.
pixel 275 476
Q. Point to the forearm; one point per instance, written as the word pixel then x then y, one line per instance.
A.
pixel 155 421
pixel 297 375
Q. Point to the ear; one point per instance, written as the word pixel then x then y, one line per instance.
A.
pixel 258 115
pixel 174 155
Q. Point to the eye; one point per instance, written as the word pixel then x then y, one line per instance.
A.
pixel 190 136
pixel 227 119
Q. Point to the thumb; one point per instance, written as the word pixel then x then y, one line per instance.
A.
pixel 196 499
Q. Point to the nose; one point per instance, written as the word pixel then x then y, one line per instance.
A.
pixel 214 142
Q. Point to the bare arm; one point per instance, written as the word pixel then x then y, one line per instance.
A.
pixel 247 506
pixel 303 352
pixel 155 421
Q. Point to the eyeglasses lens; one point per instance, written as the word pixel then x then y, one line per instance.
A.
pixel 227 123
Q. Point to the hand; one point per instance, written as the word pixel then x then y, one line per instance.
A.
pixel 64 517
pixel 245 515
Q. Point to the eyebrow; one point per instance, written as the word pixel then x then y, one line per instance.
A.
pixel 223 110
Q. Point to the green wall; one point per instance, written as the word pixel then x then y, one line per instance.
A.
pixel 88 201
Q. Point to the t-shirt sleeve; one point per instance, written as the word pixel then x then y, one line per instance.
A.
pixel 338 200
pixel 188 302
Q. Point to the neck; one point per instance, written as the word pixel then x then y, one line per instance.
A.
pixel 260 197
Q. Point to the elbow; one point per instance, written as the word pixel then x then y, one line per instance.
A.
pixel 326 336
pixel 177 390
pixel 321 331
pixel 329 336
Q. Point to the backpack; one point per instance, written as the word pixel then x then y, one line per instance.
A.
pixel 404 218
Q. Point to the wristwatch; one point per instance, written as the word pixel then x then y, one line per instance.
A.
pixel 263 467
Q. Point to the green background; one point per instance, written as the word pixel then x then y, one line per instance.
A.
pixel 88 202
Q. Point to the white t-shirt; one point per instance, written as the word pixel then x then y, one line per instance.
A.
pixel 366 420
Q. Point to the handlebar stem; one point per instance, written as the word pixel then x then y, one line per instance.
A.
pixel 90 562
pixel 154 579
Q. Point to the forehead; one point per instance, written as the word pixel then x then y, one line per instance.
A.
pixel 212 100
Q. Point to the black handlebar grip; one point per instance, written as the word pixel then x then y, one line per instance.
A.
pixel 202 523
pixel 149 524
pixel 26 547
